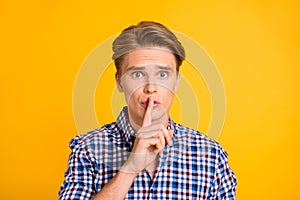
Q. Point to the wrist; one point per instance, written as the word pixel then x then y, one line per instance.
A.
pixel 130 167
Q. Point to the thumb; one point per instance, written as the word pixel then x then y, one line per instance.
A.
pixel 147 117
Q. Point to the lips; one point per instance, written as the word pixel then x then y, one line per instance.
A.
pixel 146 101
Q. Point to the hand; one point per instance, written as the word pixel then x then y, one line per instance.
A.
pixel 151 139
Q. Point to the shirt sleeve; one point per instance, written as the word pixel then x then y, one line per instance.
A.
pixel 78 183
pixel 225 182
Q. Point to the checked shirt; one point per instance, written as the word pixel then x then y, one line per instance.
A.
pixel 194 167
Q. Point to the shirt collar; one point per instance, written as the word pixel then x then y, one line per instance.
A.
pixel 124 124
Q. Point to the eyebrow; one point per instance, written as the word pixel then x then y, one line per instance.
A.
pixel 164 67
pixel 134 68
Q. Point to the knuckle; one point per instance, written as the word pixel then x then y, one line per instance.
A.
pixel 161 126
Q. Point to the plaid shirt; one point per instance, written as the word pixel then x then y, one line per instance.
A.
pixel 194 167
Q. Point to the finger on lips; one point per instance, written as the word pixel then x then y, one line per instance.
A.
pixel 147 117
pixel 156 134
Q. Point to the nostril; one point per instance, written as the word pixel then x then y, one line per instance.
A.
pixel 150 88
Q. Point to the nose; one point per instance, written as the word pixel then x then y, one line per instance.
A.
pixel 150 88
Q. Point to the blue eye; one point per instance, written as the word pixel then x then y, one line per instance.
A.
pixel 163 74
pixel 137 74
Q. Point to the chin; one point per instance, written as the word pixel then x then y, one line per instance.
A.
pixel 136 113
pixel 159 115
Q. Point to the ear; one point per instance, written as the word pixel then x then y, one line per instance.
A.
pixel 118 82
pixel 177 82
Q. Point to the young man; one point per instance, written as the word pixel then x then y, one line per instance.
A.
pixel 144 154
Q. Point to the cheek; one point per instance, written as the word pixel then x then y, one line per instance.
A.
pixel 129 85
pixel 132 90
pixel 169 84
pixel 167 97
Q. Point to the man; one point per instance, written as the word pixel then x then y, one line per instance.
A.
pixel 144 154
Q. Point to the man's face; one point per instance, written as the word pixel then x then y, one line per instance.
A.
pixel 148 72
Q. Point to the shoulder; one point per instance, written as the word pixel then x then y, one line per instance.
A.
pixel 197 141
pixel 94 137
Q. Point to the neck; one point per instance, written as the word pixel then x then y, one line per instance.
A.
pixel 134 125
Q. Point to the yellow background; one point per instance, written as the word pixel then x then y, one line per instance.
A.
pixel 255 45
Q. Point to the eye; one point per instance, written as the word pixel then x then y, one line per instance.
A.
pixel 137 74
pixel 163 74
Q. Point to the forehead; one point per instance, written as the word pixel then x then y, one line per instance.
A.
pixel 149 56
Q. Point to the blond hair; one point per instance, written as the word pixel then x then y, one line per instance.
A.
pixel 146 34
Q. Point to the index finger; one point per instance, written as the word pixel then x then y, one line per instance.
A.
pixel 147 117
